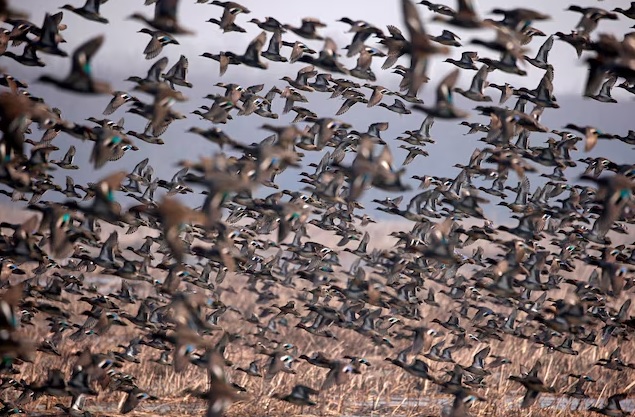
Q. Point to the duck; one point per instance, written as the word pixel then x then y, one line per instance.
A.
pixel 475 93
pixel 444 108
pixel 165 18
pixel 420 46
pixel 89 11
pixel 466 61
pixel 80 78
pixel 308 29
pixel 158 41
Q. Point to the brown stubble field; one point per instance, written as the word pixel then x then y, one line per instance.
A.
pixel 381 389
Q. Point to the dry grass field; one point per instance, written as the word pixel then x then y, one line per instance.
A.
pixel 381 389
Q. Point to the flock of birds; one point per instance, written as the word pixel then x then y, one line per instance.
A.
pixel 557 280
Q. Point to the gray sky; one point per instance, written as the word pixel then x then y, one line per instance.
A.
pixel 124 43
pixel 121 56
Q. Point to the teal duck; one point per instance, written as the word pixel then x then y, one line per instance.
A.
pixel 300 395
pixel 308 29
pixel 48 39
pixel 444 108
pixel 80 78
pixel 158 41
pixel 90 10
pixel 165 18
